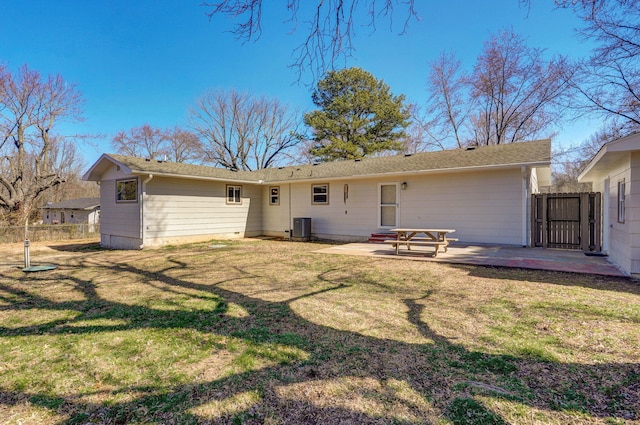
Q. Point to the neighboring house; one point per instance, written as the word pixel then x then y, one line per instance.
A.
pixel 615 171
pixel 73 211
pixel 483 193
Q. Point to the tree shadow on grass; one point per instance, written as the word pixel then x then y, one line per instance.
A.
pixel 590 281
pixel 77 247
pixel 345 377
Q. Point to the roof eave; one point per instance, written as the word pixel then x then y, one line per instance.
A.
pixel 192 177
pixel 93 175
pixel 609 152
pixel 414 172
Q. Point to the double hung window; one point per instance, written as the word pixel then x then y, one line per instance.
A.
pixel 320 194
pixel 234 194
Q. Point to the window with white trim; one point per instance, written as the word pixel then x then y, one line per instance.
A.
pixel 320 194
pixel 234 194
pixel 274 195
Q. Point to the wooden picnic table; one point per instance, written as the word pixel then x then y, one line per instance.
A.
pixel 425 237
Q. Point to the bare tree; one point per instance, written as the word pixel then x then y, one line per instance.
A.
pixel 183 146
pixel 176 145
pixel 142 142
pixel 518 94
pixel 241 132
pixel 512 95
pixel 31 107
pixel 421 133
pixel 447 103
pixel 329 25
pixel 610 79
pixel 72 167
pixel 568 163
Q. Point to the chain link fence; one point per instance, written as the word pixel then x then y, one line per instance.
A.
pixel 55 232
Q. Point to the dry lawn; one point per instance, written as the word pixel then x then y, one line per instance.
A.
pixel 271 332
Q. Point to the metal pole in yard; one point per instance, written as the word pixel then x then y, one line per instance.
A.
pixel 27 259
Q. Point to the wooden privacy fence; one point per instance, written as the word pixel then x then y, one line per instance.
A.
pixel 567 221
pixel 53 232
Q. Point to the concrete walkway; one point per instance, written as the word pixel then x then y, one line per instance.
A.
pixel 490 255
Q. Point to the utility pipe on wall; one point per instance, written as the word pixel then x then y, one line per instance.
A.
pixel 142 218
pixel 526 194
pixel 290 219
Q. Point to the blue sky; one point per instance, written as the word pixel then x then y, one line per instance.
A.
pixel 146 61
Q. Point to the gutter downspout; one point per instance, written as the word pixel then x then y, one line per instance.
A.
pixel 526 187
pixel 142 220
pixel 290 219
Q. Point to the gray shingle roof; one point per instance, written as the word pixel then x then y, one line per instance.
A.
pixel 513 154
pixel 75 204
pixel 144 166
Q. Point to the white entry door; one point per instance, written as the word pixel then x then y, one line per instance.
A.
pixel 388 211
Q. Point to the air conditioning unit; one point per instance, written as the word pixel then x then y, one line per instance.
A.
pixel 302 227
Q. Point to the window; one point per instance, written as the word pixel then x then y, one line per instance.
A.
pixel 621 190
pixel 127 190
pixel 234 194
pixel 274 195
pixel 320 194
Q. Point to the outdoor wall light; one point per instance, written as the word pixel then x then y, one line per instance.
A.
pixel 403 186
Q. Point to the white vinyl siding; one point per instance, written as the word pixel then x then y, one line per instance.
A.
pixel 483 207
pixel 118 219
pixel 624 236
pixel 619 161
pixel 181 209
pixel 275 217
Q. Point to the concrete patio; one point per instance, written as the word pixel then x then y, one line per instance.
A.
pixel 490 255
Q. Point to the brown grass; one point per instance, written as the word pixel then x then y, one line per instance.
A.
pixel 272 332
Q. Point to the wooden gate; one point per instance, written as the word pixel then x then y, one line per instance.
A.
pixel 567 221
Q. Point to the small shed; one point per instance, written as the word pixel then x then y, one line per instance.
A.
pixel 615 171
pixel 72 211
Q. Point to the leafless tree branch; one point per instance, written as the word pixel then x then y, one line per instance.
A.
pixel 241 132
pixel 330 26
pixel 31 109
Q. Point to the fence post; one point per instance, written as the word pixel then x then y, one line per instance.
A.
pixel 585 241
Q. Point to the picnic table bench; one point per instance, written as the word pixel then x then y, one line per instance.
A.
pixel 421 237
